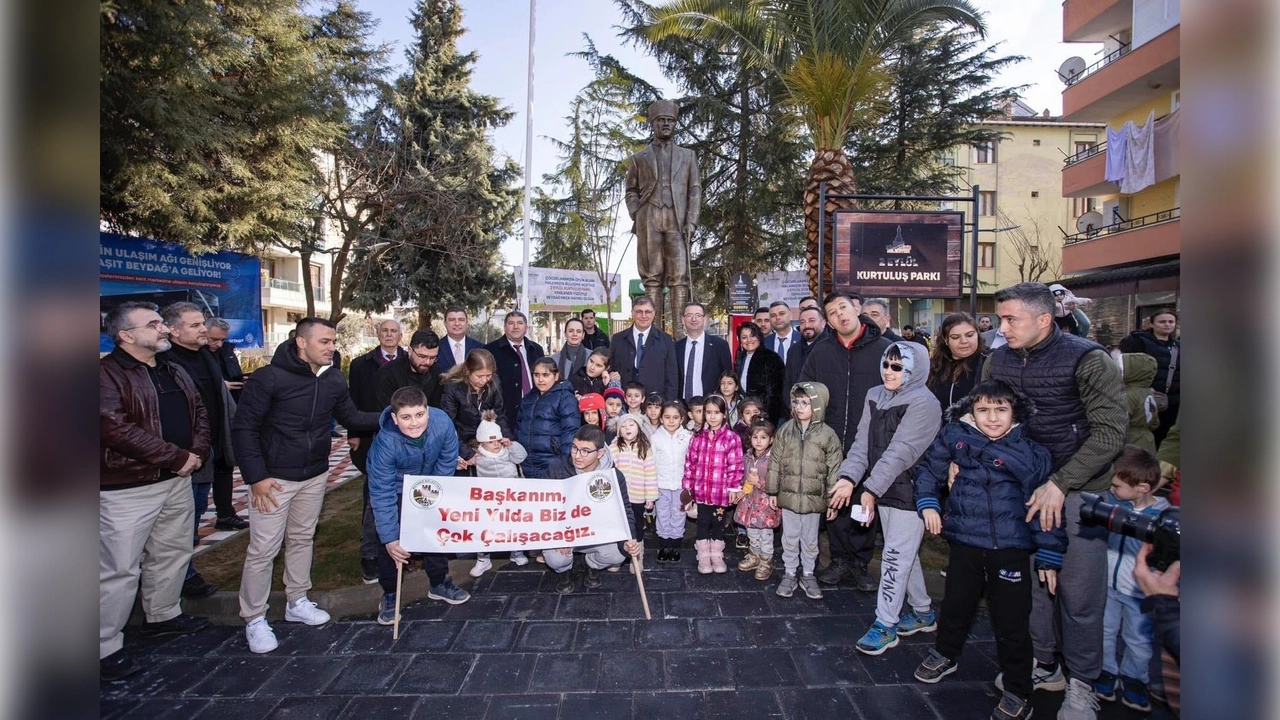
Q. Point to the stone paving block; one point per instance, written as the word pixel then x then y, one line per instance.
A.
pixel 197 645
pixel 427 610
pixel 514 582
pixel 325 707
pixel 660 581
pixel 977 663
pixel 423 636
pixel 894 666
pixel 434 673
pixel 456 707
pixel 839 601
pixel 523 707
pixel 506 673
pixel 169 709
pixel 238 677
pixel 742 604
pixel 962 701
pixel 114 708
pixel 640 670
pixel 695 581
pixel 605 635
pixel 566 672
pixel 774 631
pixel 546 636
pixel 771 668
pixel 582 606
pixel 307 640
pixel 797 604
pixel 163 678
pixel 487 636
pixel 596 706
pixel 304 676
pixel 662 634
pixel 697 670
pixel 892 702
pixel 627 605
pixel 531 606
pixel 479 607
pixel 690 605
pixel 819 666
pixel 383 707
pixel 666 705
pixel 237 709
pixel 824 630
pixel 816 704
pixel 721 632
pixel 368 674
pixel 740 704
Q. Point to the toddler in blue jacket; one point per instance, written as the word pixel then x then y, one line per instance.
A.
pixel 985 521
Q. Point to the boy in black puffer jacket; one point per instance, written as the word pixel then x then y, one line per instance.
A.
pixel 991 540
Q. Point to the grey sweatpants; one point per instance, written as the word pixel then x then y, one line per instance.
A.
pixel 1080 605
pixel 799 541
pixel 901 578
pixel 761 542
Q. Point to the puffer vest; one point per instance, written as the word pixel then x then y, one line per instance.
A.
pixel 884 423
pixel 1047 375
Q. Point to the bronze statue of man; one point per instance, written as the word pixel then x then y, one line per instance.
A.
pixel 664 195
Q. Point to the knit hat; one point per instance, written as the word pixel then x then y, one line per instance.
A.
pixel 641 422
pixel 591 401
pixel 488 429
pixel 615 392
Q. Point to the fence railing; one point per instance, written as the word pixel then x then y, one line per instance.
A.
pixel 1106 60
pixel 1085 154
pixel 1130 224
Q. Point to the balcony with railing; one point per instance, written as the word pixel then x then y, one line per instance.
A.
pixel 287 293
pixel 1083 173
pixel 1125 78
pixel 1094 20
pixel 1148 237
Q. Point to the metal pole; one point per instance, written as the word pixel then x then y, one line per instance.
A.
pixel 822 231
pixel 973 286
pixel 528 164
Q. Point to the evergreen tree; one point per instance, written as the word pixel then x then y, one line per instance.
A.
pixel 443 204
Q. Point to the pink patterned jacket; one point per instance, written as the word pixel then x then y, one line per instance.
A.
pixel 713 466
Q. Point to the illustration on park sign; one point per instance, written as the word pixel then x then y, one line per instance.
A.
pixel 898 254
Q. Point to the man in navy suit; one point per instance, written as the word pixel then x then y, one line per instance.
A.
pixel 514 354
pixel 710 355
pixel 786 341
pixel 455 345
pixel 645 354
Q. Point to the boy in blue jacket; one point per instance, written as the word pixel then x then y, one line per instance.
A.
pixel 985 521
pixel 413 440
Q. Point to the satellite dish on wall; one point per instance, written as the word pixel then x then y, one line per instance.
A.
pixel 1089 221
pixel 1071 69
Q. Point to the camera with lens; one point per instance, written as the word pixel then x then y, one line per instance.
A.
pixel 1163 531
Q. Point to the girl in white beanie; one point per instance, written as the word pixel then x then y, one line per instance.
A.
pixel 496 458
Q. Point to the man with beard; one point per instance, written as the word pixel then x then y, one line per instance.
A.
pixel 417 369
pixel 813 327
pixel 224 468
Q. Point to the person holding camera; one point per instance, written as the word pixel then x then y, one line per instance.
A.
pixel 1136 478
pixel 1165 608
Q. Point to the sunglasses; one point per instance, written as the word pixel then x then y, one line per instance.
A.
pixel 1058 293
pixel 896 367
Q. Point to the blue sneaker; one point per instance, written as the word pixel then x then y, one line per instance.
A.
pixel 878 639
pixel 449 592
pixel 387 609
pixel 1105 687
pixel 1134 696
pixel 913 622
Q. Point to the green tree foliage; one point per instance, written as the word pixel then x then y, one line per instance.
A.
pixel 442 203
pixel 943 85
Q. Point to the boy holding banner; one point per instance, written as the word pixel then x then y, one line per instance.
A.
pixel 414 440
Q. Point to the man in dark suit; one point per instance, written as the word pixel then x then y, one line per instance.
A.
pixel 878 310
pixel 595 337
pixel 514 354
pixel 645 354
pixel 455 345
pixel 785 340
pixel 709 359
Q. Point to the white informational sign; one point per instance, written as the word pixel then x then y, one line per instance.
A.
pixel 786 285
pixel 462 515
pixel 554 290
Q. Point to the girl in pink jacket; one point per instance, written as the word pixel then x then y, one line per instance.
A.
pixel 713 470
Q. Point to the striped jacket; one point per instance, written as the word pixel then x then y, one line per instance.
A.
pixel 641 475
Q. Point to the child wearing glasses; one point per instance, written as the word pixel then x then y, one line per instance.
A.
pixel 899 421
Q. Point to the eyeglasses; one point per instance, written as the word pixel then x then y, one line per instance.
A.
pixel 583 452
pixel 156 325
pixel 798 403
pixel 1059 293
pixel 896 367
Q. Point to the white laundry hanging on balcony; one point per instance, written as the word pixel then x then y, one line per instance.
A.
pixel 1166 147
pixel 1140 160
pixel 1117 153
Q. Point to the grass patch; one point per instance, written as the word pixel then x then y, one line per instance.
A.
pixel 336 563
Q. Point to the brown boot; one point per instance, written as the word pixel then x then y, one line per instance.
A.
pixel 750 562
pixel 764 569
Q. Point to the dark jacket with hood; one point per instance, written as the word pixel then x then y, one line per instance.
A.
pixel 848 374
pixel 394 455
pixel 1145 341
pixel 986 507
pixel 281 428
pixel 562 467
pixel 896 429
pixel 804 461
pixel 460 402
pixel 545 426
pixel 397 374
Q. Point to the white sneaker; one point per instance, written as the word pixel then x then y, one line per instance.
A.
pixel 520 559
pixel 1041 679
pixel 1080 703
pixel 482 566
pixel 262 639
pixel 304 611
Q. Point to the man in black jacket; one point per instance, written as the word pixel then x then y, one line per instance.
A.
pixel 417 368
pixel 224 467
pixel 645 354
pixel 281 439
pixel 595 337
pixel 710 357
pixel 514 353
pixel 848 362
pixel 813 327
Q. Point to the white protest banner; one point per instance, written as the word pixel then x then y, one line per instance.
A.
pixel 556 290
pixel 461 515
pixel 786 285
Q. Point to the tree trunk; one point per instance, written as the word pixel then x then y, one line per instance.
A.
pixel 831 166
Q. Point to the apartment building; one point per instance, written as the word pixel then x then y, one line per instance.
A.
pixel 1128 261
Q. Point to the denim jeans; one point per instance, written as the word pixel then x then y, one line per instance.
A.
pixel 1124 619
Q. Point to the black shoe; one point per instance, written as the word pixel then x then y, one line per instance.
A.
pixel 742 542
pixel 116 666
pixel 183 624
pixel 564 583
pixel 835 572
pixel 862 578
pixel 662 554
pixel 675 554
pixel 197 587
pixel 369 571
pixel 233 522
pixel 592 579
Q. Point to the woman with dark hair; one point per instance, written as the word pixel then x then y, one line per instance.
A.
pixel 957 359
pixel 548 418
pixel 470 389
pixel 1160 343
pixel 760 371
pixel 572 356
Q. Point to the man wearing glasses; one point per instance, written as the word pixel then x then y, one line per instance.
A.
pixel 417 369
pixel 154 435
pixel 702 358
pixel 588 455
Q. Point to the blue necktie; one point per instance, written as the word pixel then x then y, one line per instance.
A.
pixel 639 351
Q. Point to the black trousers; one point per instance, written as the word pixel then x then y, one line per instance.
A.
pixel 711 522
pixel 637 511
pixel 1006 576
pixel 222 490
pixel 850 540
pixel 436 565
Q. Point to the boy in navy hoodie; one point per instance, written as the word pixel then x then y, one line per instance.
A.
pixel 991 540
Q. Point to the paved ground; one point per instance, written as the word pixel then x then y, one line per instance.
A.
pixel 718 646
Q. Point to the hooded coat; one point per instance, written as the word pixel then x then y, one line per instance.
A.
pixel 1139 372
pixel 804 461
pixel 896 429
pixel 848 373
pixel 545 426
pixel 394 455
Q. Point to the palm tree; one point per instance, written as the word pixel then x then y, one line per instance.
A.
pixel 830 55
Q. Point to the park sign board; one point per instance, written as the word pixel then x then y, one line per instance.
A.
pixel 898 253
pixel 556 290
pixel 786 285
pixel 451 514
pixel 742 296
